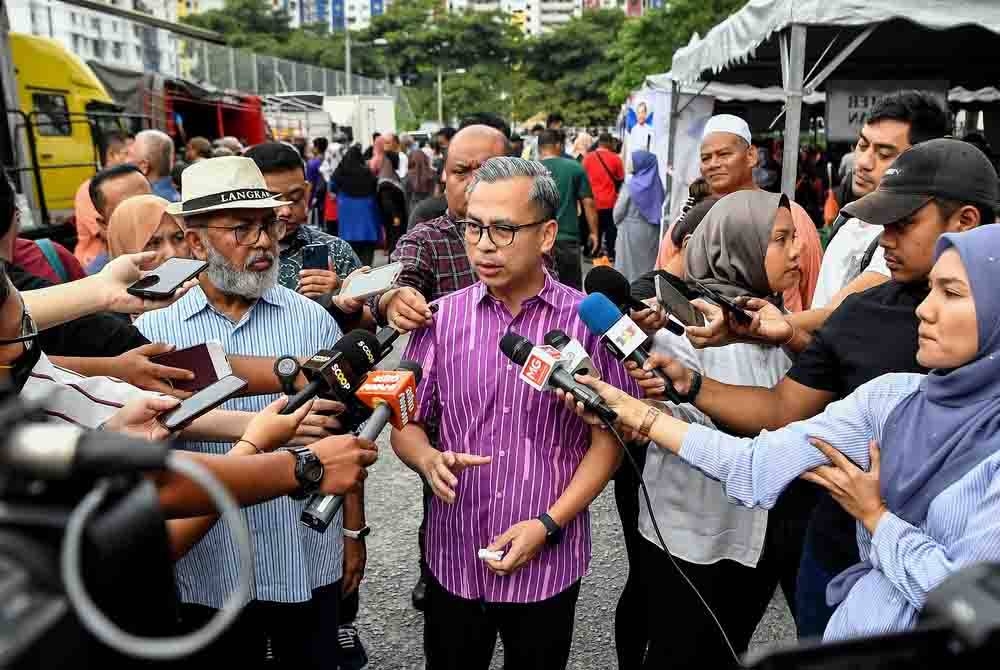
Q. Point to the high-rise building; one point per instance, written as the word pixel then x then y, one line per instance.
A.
pixel 534 17
pixel 109 39
pixel 354 14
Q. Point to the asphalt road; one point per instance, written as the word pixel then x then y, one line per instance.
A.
pixel 392 630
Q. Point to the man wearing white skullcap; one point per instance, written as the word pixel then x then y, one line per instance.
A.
pixel 728 158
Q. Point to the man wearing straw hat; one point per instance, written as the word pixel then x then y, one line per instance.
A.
pixel 230 218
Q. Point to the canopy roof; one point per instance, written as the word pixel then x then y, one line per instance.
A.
pixel 914 39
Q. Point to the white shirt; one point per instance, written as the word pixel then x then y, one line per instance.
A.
pixel 641 138
pixel 82 401
pixel 698 521
pixel 842 260
pixel 404 166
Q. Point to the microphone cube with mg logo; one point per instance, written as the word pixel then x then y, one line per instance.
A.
pixel 539 366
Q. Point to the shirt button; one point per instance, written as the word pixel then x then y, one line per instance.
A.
pixel 510 367
pixel 506 410
pixel 501 453
pixel 499 494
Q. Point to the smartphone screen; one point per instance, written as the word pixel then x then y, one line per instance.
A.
pixel 370 283
pixel 725 303
pixel 164 281
pixel 315 257
pixel 673 302
pixel 201 402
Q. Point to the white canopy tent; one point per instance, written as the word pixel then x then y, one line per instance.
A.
pixel 913 40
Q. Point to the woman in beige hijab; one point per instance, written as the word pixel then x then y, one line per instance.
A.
pixel 141 223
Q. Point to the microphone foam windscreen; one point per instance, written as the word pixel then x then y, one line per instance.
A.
pixel 605 279
pixel 598 313
pixel 360 349
pixel 414 367
pixel 515 347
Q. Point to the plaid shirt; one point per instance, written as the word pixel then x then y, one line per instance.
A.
pixel 345 261
pixel 435 262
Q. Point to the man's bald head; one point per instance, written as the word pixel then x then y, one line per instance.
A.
pixel 469 149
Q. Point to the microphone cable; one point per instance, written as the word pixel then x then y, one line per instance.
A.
pixel 159 648
pixel 663 545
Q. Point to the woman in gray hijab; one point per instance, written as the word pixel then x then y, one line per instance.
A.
pixel 745 245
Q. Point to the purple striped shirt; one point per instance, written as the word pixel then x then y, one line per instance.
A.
pixel 473 392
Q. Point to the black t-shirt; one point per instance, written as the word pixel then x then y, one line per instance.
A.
pixel 428 209
pixel 871 334
pixel 101 334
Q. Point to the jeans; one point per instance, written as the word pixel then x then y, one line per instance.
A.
pixel 812 614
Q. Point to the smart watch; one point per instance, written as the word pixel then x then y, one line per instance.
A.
pixel 309 471
pixel 553 533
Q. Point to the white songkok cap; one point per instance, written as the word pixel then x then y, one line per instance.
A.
pixel 727 123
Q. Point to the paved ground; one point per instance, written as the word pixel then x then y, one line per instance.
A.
pixel 392 629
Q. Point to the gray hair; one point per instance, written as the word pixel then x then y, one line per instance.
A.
pixel 544 193
pixel 158 149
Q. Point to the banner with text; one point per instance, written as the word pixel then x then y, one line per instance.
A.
pixel 848 102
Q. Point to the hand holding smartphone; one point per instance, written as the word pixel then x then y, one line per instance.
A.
pixel 315 257
pixel 201 402
pixel 370 283
pixel 673 302
pixel 727 305
pixel 163 282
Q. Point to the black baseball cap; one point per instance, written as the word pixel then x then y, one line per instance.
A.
pixel 941 168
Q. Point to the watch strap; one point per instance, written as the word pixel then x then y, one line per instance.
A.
pixel 692 393
pixel 306 487
pixel 553 531
pixel 358 534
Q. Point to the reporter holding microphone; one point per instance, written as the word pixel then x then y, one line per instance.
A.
pixel 914 458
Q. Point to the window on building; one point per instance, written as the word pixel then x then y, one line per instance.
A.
pixel 76 43
pixel 95 23
pixel 114 26
pixel 72 18
pixel 51 115
pixel 99 48
pixel 117 50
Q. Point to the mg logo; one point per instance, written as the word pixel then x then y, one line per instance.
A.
pixel 536 370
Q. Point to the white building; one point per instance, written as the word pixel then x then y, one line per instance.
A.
pixel 102 37
pixel 537 16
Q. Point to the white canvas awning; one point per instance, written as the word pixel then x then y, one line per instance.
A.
pixel 736 39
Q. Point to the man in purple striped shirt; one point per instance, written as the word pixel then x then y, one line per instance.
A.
pixel 512 469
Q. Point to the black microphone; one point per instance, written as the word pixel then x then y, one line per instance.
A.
pixel 391 394
pixel 613 284
pixel 337 372
pixel 620 335
pixel 541 370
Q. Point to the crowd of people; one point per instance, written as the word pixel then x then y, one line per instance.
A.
pixel 822 419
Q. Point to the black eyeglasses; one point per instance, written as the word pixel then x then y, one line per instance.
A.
pixel 247 234
pixel 501 235
pixel 29 330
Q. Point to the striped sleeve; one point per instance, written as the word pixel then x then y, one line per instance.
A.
pixel 421 349
pixel 916 563
pixel 756 471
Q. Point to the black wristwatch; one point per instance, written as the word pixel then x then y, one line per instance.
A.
pixel 308 471
pixel 553 533
pixel 692 393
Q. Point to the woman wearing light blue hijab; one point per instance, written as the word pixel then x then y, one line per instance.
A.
pixel 926 487
pixel 637 215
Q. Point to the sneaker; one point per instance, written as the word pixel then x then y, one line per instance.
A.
pixel 352 652
pixel 419 594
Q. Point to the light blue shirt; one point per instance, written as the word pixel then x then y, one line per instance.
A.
pixel 164 187
pixel 290 560
pixel 908 562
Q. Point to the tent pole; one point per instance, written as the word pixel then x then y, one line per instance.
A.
pixel 675 91
pixel 793 117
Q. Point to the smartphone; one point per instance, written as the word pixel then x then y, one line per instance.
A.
pixel 371 283
pixel 164 281
pixel 207 361
pixel 201 402
pixel 674 303
pixel 725 303
pixel 316 257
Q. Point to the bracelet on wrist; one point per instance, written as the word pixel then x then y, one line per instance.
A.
pixel 790 338
pixel 255 447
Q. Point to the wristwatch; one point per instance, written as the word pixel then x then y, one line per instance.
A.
pixel 692 393
pixel 286 369
pixel 553 533
pixel 359 534
pixel 308 471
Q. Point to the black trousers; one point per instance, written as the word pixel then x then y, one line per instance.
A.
pixel 631 632
pixel 682 633
pixel 566 254
pixel 607 231
pixel 303 635
pixel 365 251
pixel 461 634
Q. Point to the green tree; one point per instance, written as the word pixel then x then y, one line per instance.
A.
pixel 570 70
pixel 646 45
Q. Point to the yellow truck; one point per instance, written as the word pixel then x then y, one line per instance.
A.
pixel 64 111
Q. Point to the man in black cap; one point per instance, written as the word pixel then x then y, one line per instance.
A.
pixel 938 186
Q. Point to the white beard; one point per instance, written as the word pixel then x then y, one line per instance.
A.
pixel 241 282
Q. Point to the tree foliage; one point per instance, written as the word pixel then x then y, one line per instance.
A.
pixel 583 69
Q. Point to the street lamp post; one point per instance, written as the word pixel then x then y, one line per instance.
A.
pixel 440 87
pixel 379 42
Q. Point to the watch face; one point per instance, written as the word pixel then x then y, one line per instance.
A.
pixel 287 367
pixel 313 470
